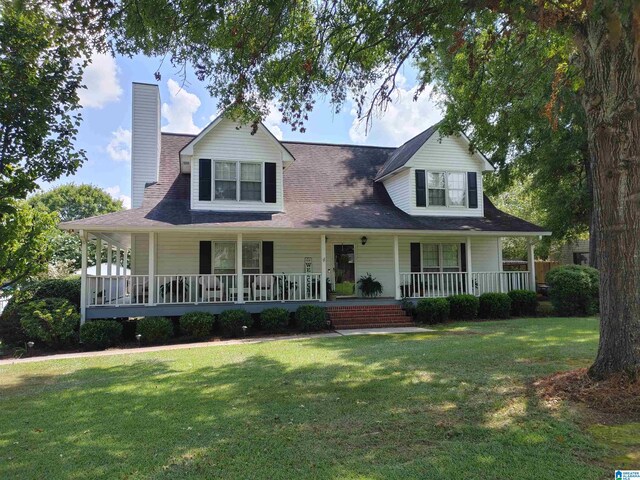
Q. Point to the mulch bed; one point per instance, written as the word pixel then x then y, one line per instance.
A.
pixel 619 394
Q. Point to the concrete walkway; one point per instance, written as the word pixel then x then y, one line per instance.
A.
pixel 216 343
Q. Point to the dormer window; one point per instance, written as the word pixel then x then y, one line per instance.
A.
pixel 236 181
pixel 443 189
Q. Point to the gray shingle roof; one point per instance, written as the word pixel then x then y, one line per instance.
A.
pixel 328 186
pixel 404 152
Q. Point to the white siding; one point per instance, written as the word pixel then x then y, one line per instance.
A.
pixel 140 247
pixel 145 139
pixel 445 154
pixel 178 253
pixel 399 188
pixel 226 142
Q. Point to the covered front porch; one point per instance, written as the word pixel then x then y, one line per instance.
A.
pixel 176 272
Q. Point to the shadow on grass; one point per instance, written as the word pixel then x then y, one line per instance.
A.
pixel 399 406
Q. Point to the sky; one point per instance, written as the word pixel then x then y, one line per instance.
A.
pixel 105 132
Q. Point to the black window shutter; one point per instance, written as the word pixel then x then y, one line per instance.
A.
pixel 205 258
pixel 415 257
pixel 267 257
pixel 204 181
pixel 463 257
pixel 472 187
pixel 421 189
pixel 270 195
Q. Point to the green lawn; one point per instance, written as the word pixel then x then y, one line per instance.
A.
pixel 445 405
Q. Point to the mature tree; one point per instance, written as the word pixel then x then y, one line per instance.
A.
pixel 252 52
pixel 73 202
pixel 25 234
pixel 42 47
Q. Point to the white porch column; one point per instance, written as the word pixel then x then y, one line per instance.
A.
pixel 239 277
pixel 98 257
pixel 152 268
pixel 118 261
pixel 396 267
pixel 531 264
pixel 109 258
pixel 83 278
pixel 323 268
pixel 467 247
pixel 500 264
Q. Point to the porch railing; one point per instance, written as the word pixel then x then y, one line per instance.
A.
pixel 432 284
pixel 116 290
pixel 444 284
pixel 502 282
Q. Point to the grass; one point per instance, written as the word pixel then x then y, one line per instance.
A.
pixel 456 403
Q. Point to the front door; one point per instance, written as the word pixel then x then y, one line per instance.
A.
pixel 344 256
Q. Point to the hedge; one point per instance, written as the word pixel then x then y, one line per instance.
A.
pixel 154 330
pixel 100 334
pixel 53 321
pixel 494 305
pixel 574 290
pixel 463 307
pixel 232 321
pixel 274 319
pixel 197 324
pixel 432 310
pixel 311 318
pixel 67 288
pixel 523 302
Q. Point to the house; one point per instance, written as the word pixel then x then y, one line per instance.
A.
pixel 574 253
pixel 229 217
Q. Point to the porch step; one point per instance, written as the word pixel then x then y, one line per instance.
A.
pixel 368 316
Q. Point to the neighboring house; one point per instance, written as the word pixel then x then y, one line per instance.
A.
pixel 227 217
pixel 574 253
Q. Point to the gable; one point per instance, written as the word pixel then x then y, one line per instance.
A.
pixel 225 139
pixel 449 153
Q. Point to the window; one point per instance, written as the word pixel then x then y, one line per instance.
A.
pixel 581 258
pixel 456 191
pixel 224 257
pixel 251 181
pixel 447 189
pixel 437 189
pixel 225 181
pixel 440 257
pixel 251 257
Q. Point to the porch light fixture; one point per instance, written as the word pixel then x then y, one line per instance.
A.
pixel 364 240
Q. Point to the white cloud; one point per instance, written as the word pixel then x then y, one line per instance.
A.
pixel 403 118
pixel 116 193
pixel 180 109
pixel 119 148
pixel 101 80
pixel 274 121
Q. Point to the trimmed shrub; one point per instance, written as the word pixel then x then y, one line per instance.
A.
pixel 408 306
pixel 311 318
pixel 463 307
pixel 494 305
pixel 197 324
pixel 154 329
pixel 274 319
pixel 523 302
pixel 100 334
pixel 232 321
pixel 574 290
pixel 432 310
pixel 11 332
pixel 67 288
pixel 53 321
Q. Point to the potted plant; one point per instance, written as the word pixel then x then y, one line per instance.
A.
pixel 369 286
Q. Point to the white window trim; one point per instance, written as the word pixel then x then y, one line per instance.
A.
pixel 235 257
pixel 441 266
pixel 238 182
pixel 446 189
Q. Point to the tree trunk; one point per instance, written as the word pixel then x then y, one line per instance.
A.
pixel 611 97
